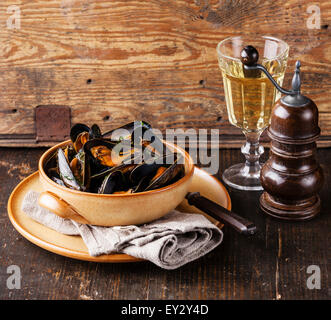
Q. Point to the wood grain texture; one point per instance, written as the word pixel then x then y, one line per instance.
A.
pixel 271 265
pixel 115 61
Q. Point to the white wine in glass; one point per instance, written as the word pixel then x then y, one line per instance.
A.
pixel 249 97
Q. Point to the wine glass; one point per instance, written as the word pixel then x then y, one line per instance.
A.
pixel 249 97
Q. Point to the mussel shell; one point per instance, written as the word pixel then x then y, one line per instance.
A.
pixel 77 129
pixel 69 152
pixel 106 156
pixel 142 171
pixel 153 143
pixel 96 164
pixel 92 164
pixel 82 138
pixel 58 181
pixel 83 172
pixel 65 172
pixel 132 129
pixel 124 168
pixel 95 132
pixel 111 183
pixel 172 173
pixel 51 165
pixel 142 185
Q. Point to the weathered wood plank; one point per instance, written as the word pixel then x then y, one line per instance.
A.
pixel 115 61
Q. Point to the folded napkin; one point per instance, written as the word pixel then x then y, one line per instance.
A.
pixel 169 242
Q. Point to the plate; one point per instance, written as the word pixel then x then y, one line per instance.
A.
pixel 73 246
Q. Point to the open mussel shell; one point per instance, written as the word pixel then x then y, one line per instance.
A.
pixel 165 176
pixel 143 171
pixel 50 166
pixel 129 131
pixel 78 129
pixel 82 138
pixel 149 176
pixel 100 150
pixel 148 168
pixel 69 152
pixel 125 168
pixel 80 167
pixel 80 133
pixel 112 182
pixel 142 185
pixel 105 156
pixel 65 172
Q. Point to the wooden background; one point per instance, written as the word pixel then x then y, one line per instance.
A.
pixel 115 61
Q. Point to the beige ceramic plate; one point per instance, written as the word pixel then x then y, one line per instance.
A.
pixel 73 246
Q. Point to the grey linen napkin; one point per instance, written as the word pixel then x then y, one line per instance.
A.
pixel 169 242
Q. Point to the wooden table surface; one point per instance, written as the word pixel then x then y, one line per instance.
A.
pixel 271 265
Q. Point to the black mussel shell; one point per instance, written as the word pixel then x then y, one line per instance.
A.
pixel 124 168
pixel 51 165
pixel 98 162
pixel 95 132
pixel 142 185
pixel 169 175
pixel 69 152
pixel 77 129
pixel 129 131
pixel 111 183
pixel 142 171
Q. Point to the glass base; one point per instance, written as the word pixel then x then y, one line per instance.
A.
pixel 243 177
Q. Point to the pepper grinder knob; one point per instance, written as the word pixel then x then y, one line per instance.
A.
pixel 249 56
pixel 296 81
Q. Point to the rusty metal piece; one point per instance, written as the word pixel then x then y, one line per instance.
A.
pixel 52 122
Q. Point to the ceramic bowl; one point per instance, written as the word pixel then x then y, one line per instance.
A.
pixel 113 209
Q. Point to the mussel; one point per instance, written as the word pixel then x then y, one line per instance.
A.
pixel 130 131
pixel 81 133
pixel 156 175
pixel 121 161
pixel 112 182
pixel 65 172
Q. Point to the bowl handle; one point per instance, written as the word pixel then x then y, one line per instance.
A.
pixel 60 207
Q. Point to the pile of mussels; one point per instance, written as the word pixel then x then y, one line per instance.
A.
pixel 92 164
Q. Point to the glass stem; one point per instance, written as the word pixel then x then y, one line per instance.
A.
pixel 252 151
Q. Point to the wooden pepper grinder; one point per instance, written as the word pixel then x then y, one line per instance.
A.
pixel 292 176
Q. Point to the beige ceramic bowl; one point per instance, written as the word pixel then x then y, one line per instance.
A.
pixel 109 209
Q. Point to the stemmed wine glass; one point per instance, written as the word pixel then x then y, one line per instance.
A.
pixel 249 97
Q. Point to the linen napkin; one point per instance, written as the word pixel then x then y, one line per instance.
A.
pixel 169 242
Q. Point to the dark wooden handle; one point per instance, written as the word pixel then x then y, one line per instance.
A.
pixel 221 214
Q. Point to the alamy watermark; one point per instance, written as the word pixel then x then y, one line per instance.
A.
pixel 155 150
pixel 14 280
pixel 14 20
pixel 314 19
pixel 314 281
